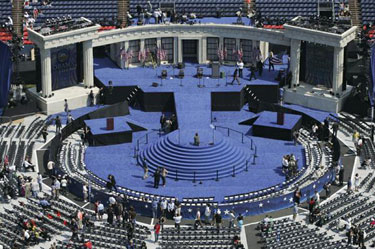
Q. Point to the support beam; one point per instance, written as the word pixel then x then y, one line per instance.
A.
pixel 295 55
pixel 88 64
pixel 45 59
pixel 338 70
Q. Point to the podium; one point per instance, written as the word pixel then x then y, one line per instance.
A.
pixel 215 70
pixel 280 118
pixel 110 124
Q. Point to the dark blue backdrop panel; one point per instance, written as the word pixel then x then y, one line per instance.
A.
pixel 64 67
pixel 319 65
pixel 5 73
pixel 371 89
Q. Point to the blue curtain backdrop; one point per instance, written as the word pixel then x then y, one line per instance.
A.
pixel 371 89
pixel 64 66
pixel 5 73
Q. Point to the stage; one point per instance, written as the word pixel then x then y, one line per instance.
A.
pixel 315 97
pixel 122 131
pixel 266 125
pixel 77 97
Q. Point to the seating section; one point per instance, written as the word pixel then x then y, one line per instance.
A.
pixel 288 9
pixel 5 10
pixel 208 237
pixel 94 10
pixel 206 8
pixel 283 234
pixel 368 11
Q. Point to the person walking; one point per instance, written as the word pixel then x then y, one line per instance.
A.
pixel 252 72
pixel 235 77
pixel 157 231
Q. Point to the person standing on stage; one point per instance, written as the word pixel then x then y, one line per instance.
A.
pixel 58 124
pixel 252 72
pixel 260 66
pixel 240 67
pixel 156 178
pixel 66 106
pixel 164 173
pixel 145 169
pixel 162 120
pixel 270 62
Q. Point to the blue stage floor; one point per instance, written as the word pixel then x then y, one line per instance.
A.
pixel 269 119
pixel 193 111
pixel 106 70
pixel 265 173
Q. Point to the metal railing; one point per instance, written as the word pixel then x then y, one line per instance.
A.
pixel 241 137
pixel 145 139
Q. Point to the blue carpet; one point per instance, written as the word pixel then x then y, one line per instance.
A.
pixel 265 173
pixel 99 126
pixel 316 114
pixel 269 119
pixel 106 70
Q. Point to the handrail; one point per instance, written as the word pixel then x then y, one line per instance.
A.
pixel 253 146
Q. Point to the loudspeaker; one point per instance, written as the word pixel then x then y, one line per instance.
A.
pixel 280 118
pixel 110 124
pixel 164 74
pixel 181 74
pixel 181 65
pixel 154 84
pixel 215 69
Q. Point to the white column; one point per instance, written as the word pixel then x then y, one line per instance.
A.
pixel 88 64
pixel 179 57
pixel 142 45
pixel 295 55
pixel 175 50
pixel 200 52
pixel 264 47
pixel 124 63
pixel 45 59
pixel 204 49
pixel 338 69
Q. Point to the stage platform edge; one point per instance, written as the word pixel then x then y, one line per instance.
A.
pixel 77 97
pixel 316 98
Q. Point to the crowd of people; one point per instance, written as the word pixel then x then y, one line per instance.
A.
pixel 289 166
pixel 168 124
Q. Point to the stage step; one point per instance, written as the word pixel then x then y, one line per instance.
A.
pixel 188 162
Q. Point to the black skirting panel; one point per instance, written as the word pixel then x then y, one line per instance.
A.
pixel 110 138
pixel 156 102
pixel 274 132
pixel 266 93
pixel 227 101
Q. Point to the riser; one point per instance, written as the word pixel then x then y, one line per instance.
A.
pixel 224 152
pixel 158 160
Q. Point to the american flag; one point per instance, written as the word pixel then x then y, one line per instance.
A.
pixel 239 54
pixel 161 54
pixel 220 54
